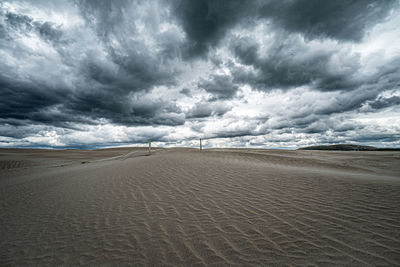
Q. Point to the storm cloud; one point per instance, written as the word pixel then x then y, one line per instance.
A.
pixel 242 73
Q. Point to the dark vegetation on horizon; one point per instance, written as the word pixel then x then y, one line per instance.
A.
pixel 348 147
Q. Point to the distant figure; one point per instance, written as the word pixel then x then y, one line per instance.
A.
pixel 201 146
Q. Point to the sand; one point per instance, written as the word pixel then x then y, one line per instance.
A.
pixel 188 207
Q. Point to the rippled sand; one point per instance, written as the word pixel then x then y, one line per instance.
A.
pixel 186 207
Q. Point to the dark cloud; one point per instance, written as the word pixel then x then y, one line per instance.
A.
pixel 105 16
pixel 325 124
pixel 120 109
pixel 137 66
pixel 206 22
pixel 382 102
pixel 41 103
pixel 20 131
pixel 246 50
pixel 19 22
pixel 233 133
pixel 345 20
pixel 49 31
pixel 186 92
pixel 348 101
pixel 22 100
pixel 205 109
pixel 220 86
pixel 104 86
pixel 23 24
pixel 375 137
pixel 291 63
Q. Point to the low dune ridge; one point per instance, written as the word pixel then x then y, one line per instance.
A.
pixel 182 206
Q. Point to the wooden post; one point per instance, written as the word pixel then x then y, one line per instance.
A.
pixel 149 146
pixel 201 146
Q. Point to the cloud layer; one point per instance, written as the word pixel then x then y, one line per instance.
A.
pixel 237 73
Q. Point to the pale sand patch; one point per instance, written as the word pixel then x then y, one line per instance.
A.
pixel 186 207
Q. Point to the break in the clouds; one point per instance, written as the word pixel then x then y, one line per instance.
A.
pixel 236 73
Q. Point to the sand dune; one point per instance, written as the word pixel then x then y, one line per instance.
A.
pixel 177 207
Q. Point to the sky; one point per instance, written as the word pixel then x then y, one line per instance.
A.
pixel 268 74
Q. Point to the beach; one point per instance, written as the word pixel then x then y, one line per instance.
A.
pixel 186 207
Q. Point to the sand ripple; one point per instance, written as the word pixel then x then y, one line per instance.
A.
pixel 185 207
